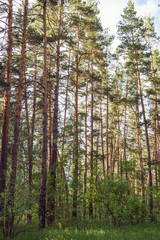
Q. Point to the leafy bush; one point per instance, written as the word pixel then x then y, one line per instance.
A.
pixel 120 204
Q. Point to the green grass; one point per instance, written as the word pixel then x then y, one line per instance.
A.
pixel 91 231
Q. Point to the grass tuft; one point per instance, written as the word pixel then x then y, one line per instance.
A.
pixel 90 230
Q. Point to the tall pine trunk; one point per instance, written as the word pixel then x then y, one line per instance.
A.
pixel 147 141
pixel 102 142
pixel 6 111
pixel 65 109
pixel 107 119
pixel 53 164
pixel 11 189
pixel 156 121
pixel 125 137
pixel 86 141
pixel 29 217
pixel 91 157
pixel 49 86
pixel 42 205
pixel 34 104
pixel 75 130
pixel 139 137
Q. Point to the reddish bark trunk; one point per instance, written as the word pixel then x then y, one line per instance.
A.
pixel 147 142
pixel 29 216
pixel 86 153
pixel 125 137
pixel 49 126
pixel 107 120
pixel 91 158
pixel 11 190
pixel 102 145
pixel 65 110
pixel 53 164
pixel 75 148
pixel 42 206
pixel 6 109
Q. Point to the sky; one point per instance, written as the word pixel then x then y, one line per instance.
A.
pixel 111 10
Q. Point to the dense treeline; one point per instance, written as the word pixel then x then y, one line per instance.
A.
pixel 79 124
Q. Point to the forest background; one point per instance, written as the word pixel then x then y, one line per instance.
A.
pixel 79 117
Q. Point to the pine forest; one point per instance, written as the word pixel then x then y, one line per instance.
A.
pixel 79 123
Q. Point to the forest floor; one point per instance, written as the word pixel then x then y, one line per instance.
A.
pixel 90 231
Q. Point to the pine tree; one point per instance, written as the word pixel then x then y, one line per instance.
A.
pixel 131 32
pixel 6 109
pixel 53 163
pixel 11 188
pixel 42 205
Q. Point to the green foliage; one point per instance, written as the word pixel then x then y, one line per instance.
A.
pixel 87 230
pixel 121 204
pixel 114 199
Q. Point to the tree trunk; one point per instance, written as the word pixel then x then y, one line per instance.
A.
pixel 139 137
pixel 6 111
pixel 156 122
pixel 49 86
pixel 34 104
pixel 12 181
pixel 125 137
pixel 86 153
pixel 29 216
pixel 115 145
pixel 96 165
pixel 146 130
pixel 107 120
pixel 65 110
pixel 119 144
pixel 147 142
pixel 42 206
pixel 91 159
pixel 66 188
pixel 75 130
pixel 102 145
pixel 53 166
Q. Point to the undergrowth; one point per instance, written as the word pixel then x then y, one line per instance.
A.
pixel 89 230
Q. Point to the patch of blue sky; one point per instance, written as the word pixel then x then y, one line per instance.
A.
pixel 141 2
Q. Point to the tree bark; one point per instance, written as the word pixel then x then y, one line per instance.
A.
pixel 11 189
pixel 54 159
pixel 91 157
pixel 65 110
pixel 75 130
pixel 125 137
pixel 29 216
pixel 139 137
pixel 53 164
pixel 49 125
pixel 107 119
pixel 66 187
pixel 42 206
pixel 147 142
pixel 6 111
pixel 86 141
pixel 34 104
pixel 102 142
pixel 156 122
